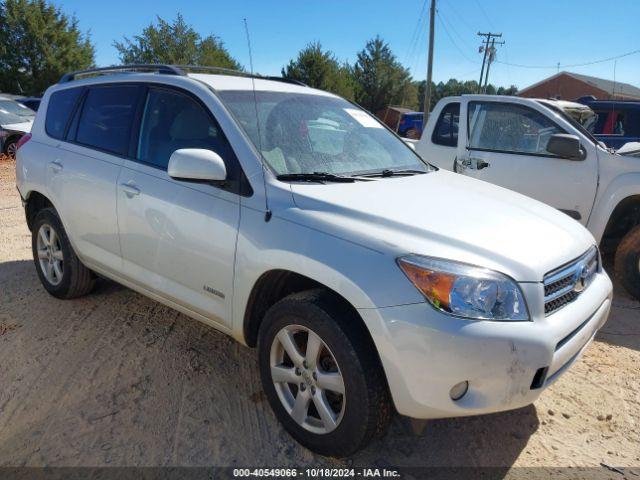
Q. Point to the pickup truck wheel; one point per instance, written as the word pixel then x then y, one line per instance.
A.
pixel 60 270
pixel 627 262
pixel 321 377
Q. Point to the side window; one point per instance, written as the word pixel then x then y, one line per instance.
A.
pixel 173 120
pixel 60 107
pixel 612 122
pixel 105 121
pixel 509 127
pixel 446 130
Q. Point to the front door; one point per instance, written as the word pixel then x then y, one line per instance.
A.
pixel 505 144
pixel 177 237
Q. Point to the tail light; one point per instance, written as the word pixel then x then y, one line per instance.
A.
pixel 24 139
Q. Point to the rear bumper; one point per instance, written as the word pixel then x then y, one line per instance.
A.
pixel 507 364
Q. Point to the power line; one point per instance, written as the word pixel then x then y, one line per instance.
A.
pixel 485 14
pixel 572 65
pixel 444 27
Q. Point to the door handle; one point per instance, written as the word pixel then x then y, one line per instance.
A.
pixel 477 163
pixel 461 164
pixel 129 189
pixel 55 166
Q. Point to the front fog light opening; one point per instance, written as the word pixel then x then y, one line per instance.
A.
pixel 459 390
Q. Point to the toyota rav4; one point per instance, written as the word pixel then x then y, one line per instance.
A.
pixel 294 221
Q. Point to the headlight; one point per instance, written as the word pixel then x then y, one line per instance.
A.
pixel 464 290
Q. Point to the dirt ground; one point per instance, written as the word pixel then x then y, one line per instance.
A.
pixel 118 379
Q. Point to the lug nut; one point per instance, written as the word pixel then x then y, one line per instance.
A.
pixel 298 372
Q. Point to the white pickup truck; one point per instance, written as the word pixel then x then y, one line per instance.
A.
pixel 537 148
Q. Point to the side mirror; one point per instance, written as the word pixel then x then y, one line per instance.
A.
pixel 196 164
pixel 566 146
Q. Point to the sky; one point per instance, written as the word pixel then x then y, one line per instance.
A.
pixel 537 33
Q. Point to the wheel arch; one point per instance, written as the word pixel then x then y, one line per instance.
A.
pixel 34 202
pixel 276 284
pixel 623 217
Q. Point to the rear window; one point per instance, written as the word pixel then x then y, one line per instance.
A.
pixel 105 121
pixel 59 109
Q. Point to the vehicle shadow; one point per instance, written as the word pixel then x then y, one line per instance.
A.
pixel 495 440
pixel 623 326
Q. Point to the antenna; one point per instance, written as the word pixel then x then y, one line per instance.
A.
pixel 267 214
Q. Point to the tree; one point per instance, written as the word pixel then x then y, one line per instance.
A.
pixel 380 80
pixel 455 87
pixel 320 69
pixel 38 44
pixel 175 43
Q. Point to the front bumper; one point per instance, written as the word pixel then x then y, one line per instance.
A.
pixel 508 364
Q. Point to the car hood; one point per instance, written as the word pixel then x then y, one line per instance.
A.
pixel 24 127
pixel 446 215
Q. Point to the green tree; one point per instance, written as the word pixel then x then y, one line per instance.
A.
pixel 455 87
pixel 38 44
pixel 380 80
pixel 320 69
pixel 175 43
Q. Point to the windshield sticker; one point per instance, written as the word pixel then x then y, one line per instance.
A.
pixel 363 118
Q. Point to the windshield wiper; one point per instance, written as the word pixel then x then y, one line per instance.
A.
pixel 392 173
pixel 315 177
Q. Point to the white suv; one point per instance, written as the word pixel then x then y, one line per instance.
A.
pixel 294 221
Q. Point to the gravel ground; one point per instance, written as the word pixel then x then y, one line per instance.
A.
pixel 118 379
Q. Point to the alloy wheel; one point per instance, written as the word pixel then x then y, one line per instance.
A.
pixel 310 384
pixel 50 254
pixel 12 148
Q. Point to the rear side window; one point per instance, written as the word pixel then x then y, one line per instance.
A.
pixel 60 107
pixel 446 131
pixel 173 120
pixel 105 121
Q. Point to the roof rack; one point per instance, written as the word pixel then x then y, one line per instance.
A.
pixel 160 68
pixel 169 70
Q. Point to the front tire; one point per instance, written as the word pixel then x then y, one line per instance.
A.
pixel 321 374
pixel 627 262
pixel 60 270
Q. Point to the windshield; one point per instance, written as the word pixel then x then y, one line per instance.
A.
pixel 303 133
pixel 7 118
pixel 15 108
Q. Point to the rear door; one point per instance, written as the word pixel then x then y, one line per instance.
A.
pixel 504 142
pixel 178 237
pixel 83 168
pixel 438 144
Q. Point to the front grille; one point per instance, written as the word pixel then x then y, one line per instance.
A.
pixel 563 285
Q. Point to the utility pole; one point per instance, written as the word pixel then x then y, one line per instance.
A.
pixel 427 91
pixel 489 48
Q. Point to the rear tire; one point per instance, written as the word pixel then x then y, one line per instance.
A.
pixel 61 272
pixel 346 355
pixel 627 262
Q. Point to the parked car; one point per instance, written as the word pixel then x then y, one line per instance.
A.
pixel 366 278
pixel 410 125
pixel 12 128
pixel 30 102
pixel 534 147
pixel 617 121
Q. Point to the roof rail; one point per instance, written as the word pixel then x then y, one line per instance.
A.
pixel 159 68
pixel 170 70
pixel 239 73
